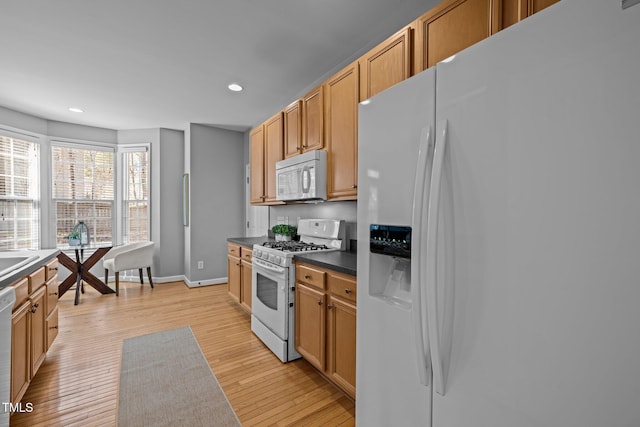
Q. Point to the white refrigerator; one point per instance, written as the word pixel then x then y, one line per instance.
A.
pixel 499 231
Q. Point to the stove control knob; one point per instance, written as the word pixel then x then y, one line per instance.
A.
pixel 270 257
pixel 277 259
pixel 256 253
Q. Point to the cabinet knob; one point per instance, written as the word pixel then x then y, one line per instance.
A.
pixel 304 146
pixel 34 309
pixel 354 186
pixel 319 302
pixel 306 276
pixel 329 307
pixel 347 291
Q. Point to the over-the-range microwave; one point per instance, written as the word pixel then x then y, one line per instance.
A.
pixel 302 177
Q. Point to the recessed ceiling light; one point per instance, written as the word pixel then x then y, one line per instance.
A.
pixel 76 110
pixel 235 87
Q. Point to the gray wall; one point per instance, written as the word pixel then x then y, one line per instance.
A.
pixel 215 164
pixel 167 163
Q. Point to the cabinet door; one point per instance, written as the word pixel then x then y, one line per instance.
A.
pixel 245 291
pixel 313 120
pixel 273 143
pixel 52 294
pixel 341 114
pixel 20 352
pixel 453 26
pixel 233 279
pixel 386 64
pixel 52 327
pixel 293 129
pixel 310 325
pixel 537 5
pixel 341 344
pixel 516 10
pixel 257 165
pixel 38 329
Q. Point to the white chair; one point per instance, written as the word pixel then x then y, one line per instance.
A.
pixel 128 257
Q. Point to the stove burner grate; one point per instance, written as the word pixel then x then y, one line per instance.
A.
pixel 291 246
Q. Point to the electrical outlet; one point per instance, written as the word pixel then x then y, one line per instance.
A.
pixel 200 265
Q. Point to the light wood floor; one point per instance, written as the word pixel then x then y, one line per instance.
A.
pixel 77 384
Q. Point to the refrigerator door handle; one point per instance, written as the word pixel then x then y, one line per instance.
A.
pixel 418 316
pixel 432 258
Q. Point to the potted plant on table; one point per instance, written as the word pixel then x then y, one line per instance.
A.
pixel 74 238
pixel 284 232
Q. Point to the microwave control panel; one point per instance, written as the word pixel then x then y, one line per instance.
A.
pixel 392 240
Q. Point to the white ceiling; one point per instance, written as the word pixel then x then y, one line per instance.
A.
pixel 136 64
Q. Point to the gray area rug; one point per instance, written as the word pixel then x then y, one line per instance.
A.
pixel 165 380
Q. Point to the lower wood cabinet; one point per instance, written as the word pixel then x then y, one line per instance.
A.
pixel 326 323
pixel 233 275
pixel 239 274
pixel 20 351
pixel 34 325
pixel 246 272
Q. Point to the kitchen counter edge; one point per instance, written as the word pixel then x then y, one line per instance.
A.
pixel 44 256
pixel 342 262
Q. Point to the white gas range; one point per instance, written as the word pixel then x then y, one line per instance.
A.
pixel 273 282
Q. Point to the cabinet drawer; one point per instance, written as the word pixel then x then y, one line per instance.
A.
pixel 234 249
pixel 343 286
pixel 52 327
pixel 310 276
pixel 52 294
pixel 247 254
pixel 36 279
pixel 21 289
pixel 51 269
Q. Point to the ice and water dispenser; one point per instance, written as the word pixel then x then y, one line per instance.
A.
pixel 390 263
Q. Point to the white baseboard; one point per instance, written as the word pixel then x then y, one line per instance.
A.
pixel 198 283
pixel 168 279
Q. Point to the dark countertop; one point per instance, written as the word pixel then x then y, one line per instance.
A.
pixel 249 241
pixel 44 256
pixel 343 262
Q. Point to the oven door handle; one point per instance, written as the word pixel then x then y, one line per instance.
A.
pixel 258 262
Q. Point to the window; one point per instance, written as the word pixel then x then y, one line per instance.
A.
pixel 19 194
pixel 83 190
pixel 135 197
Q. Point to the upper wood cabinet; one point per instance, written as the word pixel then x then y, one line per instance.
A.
pixel 516 10
pixel 313 120
pixel 267 147
pixel 451 27
pixel 341 119
pixel 256 141
pixel 293 129
pixel 273 152
pixel 386 64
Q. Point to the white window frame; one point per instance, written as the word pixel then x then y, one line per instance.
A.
pixel 82 145
pixel 122 188
pixel 37 199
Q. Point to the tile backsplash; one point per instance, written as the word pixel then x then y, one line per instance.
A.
pixel 290 214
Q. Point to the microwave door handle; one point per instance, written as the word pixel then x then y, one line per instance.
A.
pixel 306 178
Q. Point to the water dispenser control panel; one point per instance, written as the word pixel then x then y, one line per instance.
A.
pixel 393 240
